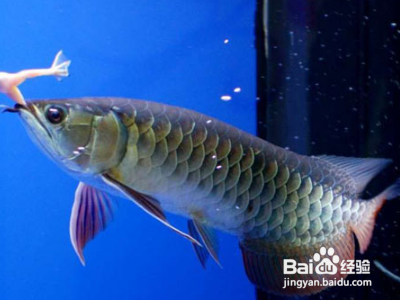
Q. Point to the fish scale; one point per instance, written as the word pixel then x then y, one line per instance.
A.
pixel 237 182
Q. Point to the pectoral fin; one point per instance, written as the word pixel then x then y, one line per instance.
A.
pixel 209 238
pixel 91 212
pixel 147 203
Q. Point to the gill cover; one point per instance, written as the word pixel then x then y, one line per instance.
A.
pixel 79 135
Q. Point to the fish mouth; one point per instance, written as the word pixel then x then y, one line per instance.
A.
pixel 16 109
pixel 29 109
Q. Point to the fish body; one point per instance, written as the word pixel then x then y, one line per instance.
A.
pixel 278 203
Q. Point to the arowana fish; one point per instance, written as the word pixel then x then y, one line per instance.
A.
pixel 165 158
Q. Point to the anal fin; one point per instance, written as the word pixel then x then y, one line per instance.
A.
pixel 264 263
pixel 208 236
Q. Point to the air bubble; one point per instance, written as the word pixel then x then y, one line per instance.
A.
pixel 226 98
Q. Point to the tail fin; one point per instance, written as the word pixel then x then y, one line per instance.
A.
pixel 60 65
pixel 365 227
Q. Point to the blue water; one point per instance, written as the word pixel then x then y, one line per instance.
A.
pixel 185 53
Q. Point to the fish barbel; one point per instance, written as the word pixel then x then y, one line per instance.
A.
pixel 164 158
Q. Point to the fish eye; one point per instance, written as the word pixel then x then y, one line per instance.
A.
pixel 55 114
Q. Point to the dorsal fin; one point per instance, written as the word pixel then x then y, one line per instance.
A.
pixel 361 170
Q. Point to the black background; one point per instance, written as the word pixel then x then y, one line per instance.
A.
pixel 329 83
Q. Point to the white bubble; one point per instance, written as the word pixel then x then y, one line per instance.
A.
pixel 226 98
pixel 331 251
pixel 237 90
pixel 322 251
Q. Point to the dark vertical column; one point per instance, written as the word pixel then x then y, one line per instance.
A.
pixel 329 83
pixel 282 59
pixel 382 135
pixel 261 20
pixel 336 80
pixel 282 73
pixel 355 111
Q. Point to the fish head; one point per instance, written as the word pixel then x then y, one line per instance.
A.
pixel 81 136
